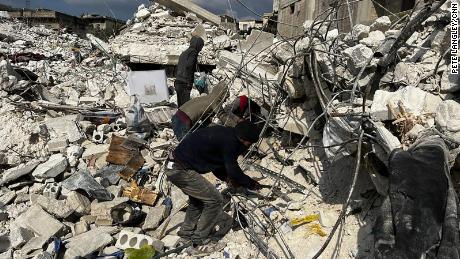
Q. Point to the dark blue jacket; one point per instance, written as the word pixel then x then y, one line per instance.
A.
pixel 213 149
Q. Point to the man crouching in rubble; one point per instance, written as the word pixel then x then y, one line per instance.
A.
pixel 214 149
pixel 186 69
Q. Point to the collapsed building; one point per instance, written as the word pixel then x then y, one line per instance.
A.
pixel 360 144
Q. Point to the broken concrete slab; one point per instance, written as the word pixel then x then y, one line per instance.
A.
pixel 448 119
pixel 85 244
pixel 172 227
pixel 449 82
pixel 222 42
pixel 374 40
pixel 64 127
pixel 170 241
pixel 95 151
pixel 19 236
pixel 187 6
pixel 154 217
pixel 415 101
pixel 257 42
pixel 18 171
pixel 58 145
pixel 79 203
pixel 357 57
pixel 7 198
pixel 103 210
pixel 383 23
pixel 55 165
pixel 58 208
pixel 40 222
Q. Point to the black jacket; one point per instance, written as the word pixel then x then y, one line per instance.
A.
pixel 188 60
pixel 213 149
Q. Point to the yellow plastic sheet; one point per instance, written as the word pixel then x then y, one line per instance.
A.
pixel 303 220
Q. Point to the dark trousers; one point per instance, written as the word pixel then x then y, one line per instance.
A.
pixel 205 204
pixel 183 92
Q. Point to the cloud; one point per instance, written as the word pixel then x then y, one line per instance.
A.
pixel 96 2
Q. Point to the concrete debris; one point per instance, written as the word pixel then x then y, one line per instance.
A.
pixel 40 222
pixel 85 244
pixel 415 101
pixel 357 57
pixel 360 32
pixel 57 208
pixel 16 172
pixel 128 239
pixel 448 118
pixel 257 41
pixel 87 128
pixel 383 23
pixel 55 165
pixel 64 128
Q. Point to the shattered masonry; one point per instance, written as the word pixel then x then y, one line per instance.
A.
pixel 77 163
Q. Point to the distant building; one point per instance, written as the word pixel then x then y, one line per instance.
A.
pixel 102 26
pixel 51 19
pixel 227 22
pixel 293 13
pixel 248 25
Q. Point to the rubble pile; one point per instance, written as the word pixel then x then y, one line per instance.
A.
pixel 82 172
pixel 158 35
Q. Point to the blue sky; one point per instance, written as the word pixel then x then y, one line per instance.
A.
pixel 124 9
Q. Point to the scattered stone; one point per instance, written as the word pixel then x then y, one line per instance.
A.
pixel 55 165
pixel 19 236
pixel 257 41
pixel 40 222
pixel 415 101
pixel 58 145
pixel 360 31
pixel 357 57
pixel 382 24
pixel 64 127
pixel 79 203
pixel 18 171
pixel 374 40
pixel 58 208
pixel 85 244
pixel 448 119
pixel 7 198
pixel 221 42
pixel 80 227
pixel 154 217
pixel 170 241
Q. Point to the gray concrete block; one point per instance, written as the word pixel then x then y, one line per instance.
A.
pixel 52 190
pixel 79 203
pixel 58 145
pixel 55 165
pixel 129 239
pixel 19 236
pixel 18 171
pixel 40 222
pixel 58 208
pixel 154 217
pixel 64 127
pixel 85 244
